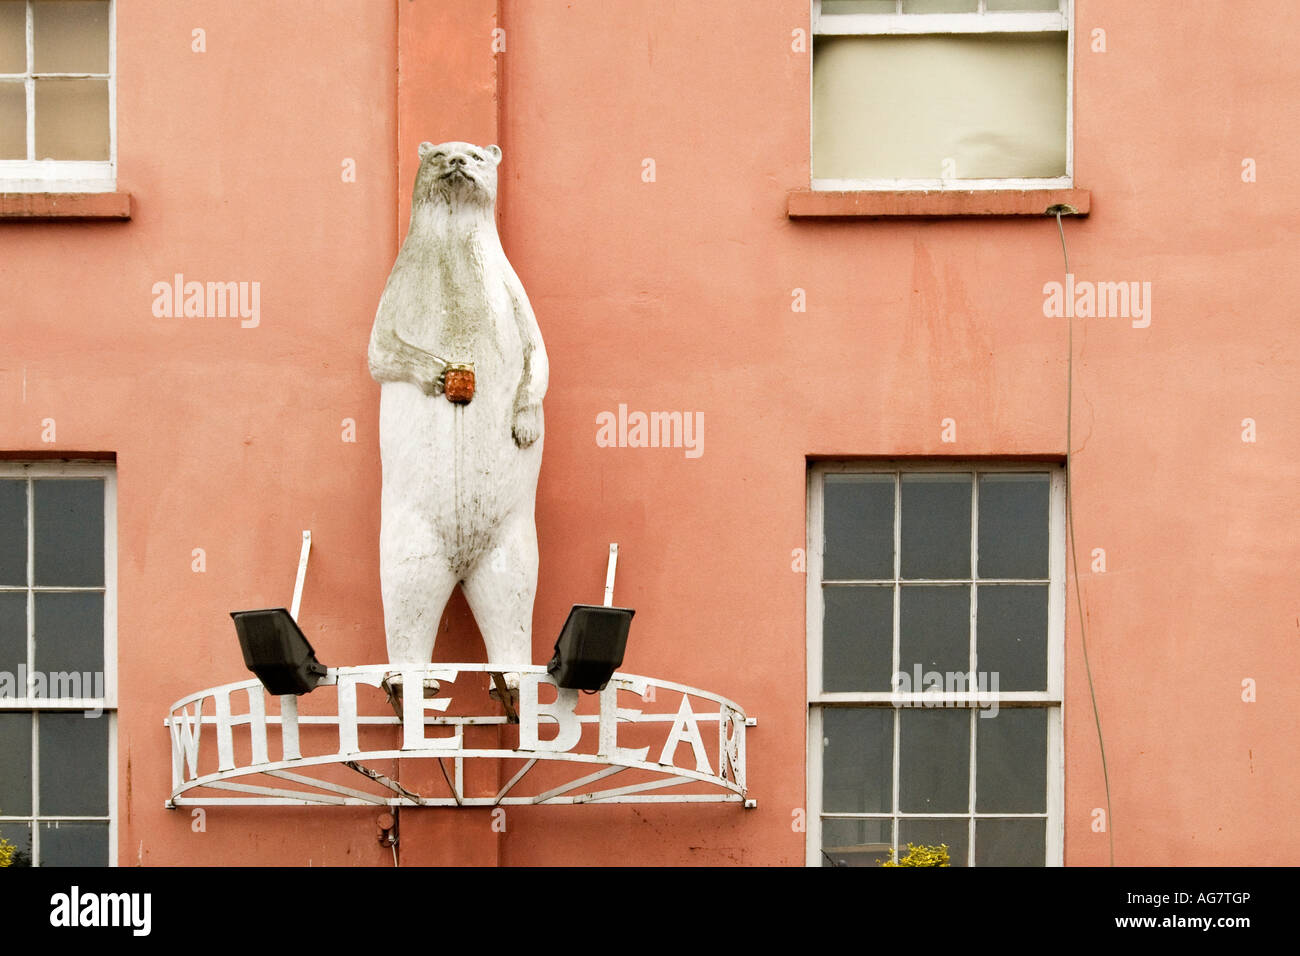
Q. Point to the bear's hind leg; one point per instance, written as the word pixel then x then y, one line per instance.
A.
pixel 500 589
pixel 416 582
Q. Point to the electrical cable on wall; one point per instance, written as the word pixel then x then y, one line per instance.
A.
pixel 1058 210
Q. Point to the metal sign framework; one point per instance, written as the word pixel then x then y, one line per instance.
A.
pixel 711 774
pixel 195 732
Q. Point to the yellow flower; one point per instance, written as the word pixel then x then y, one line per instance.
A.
pixel 920 856
pixel 7 851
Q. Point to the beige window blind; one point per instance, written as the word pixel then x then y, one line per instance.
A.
pixel 950 106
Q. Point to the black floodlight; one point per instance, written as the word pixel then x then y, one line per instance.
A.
pixel 276 651
pixel 590 647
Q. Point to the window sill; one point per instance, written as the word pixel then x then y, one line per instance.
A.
pixel 35 206
pixel 935 204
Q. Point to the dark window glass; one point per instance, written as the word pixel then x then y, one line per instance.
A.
pixel 936 526
pixel 933 630
pixel 934 761
pixel 69 633
pixel 1010 842
pixel 69 538
pixel 858 748
pixel 1011 761
pixel 1011 635
pixel 856 842
pixel 74 844
pixel 15 764
pixel 13 637
pixel 74 765
pixel 1013 525
pixel 857 637
pixel 13 533
pixel 859 528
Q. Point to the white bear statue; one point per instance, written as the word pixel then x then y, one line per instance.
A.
pixel 463 371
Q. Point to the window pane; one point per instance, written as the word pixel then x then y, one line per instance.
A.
pixel 70 636
pixel 13 120
pixel 940 6
pixel 69 546
pixel 857 759
pixel 856 842
pixel 970 106
pixel 20 835
pixel 13 516
pixel 13 641
pixel 934 761
pixel 71 36
pixel 933 631
pixel 1013 526
pixel 996 6
pixel 932 833
pixel 936 526
pixel 857 638
pixel 15 764
pixel 859 534
pixel 13 37
pixel 1011 635
pixel 74 844
pixel 73 766
pixel 1010 842
pixel 72 119
pixel 1011 761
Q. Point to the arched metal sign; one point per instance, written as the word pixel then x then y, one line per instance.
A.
pixel 319 750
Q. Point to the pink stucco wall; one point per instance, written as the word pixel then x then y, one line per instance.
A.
pixel 676 295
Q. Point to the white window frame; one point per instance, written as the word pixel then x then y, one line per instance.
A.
pixel 60 175
pixel 1052 700
pixel 913 24
pixel 38 705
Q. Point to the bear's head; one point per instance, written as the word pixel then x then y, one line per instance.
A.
pixel 457 174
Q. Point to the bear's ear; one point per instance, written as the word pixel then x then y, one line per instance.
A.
pixel 496 153
pixel 425 150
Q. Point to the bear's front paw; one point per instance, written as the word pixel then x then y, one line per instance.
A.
pixel 433 381
pixel 527 425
